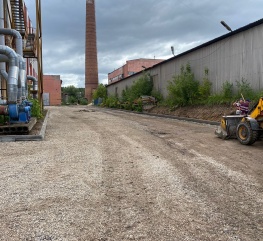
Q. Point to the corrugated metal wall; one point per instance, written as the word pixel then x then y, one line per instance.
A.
pixel 237 57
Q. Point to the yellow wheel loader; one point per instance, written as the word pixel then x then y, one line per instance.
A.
pixel 246 128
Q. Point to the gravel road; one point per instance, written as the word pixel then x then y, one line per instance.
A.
pixel 110 175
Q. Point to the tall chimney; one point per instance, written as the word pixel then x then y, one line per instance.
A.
pixel 91 63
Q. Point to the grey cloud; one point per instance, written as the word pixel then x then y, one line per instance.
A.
pixel 133 29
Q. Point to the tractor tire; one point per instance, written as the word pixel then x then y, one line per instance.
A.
pixel 245 134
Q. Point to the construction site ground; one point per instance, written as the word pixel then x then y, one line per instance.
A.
pixel 103 174
pixel 200 112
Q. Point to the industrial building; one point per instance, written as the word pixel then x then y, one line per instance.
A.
pixel 21 73
pixel 20 35
pixel 131 67
pixel 232 57
pixel 52 90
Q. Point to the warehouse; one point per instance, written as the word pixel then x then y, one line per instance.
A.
pixel 232 57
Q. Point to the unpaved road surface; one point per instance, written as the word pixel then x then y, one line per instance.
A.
pixel 111 175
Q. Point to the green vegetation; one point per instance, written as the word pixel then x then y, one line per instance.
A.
pixel 130 98
pixel 183 90
pixel 36 109
pixel 73 95
pixel 228 95
pixel 100 92
pixel 204 88
pixel 143 86
pixel 2 119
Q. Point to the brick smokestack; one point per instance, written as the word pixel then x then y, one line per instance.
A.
pixel 91 63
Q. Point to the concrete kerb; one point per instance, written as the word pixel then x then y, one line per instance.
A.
pixel 39 137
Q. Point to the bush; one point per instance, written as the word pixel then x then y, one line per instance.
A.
pixel 227 90
pixel 111 102
pixel 157 95
pixel 142 86
pixel 204 88
pixel 244 89
pixel 36 109
pixel 183 89
pixel 83 101
pixel 100 92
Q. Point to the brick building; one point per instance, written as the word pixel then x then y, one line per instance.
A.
pixel 131 67
pixel 52 90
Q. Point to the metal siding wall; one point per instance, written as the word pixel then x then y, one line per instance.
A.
pixel 122 85
pixel 231 59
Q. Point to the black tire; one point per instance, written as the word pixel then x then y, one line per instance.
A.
pixel 245 134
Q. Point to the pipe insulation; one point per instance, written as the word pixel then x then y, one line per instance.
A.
pixel 21 79
pixel 18 38
pixel 3 59
pixel 2 42
pixel 22 65
pixel 35 85
pixel 13 71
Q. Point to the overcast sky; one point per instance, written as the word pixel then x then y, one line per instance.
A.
pixel 132 29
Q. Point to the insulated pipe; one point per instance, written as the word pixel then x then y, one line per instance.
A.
pixel 4 74
pixel 22 66
pixel 13 71
pixel 35 85
pixel 18 38
pixel 2 42
pixel 21 79
pixel 3 59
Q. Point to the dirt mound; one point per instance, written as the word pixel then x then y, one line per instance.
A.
pixel 211 113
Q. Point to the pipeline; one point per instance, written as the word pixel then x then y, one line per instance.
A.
pixel 21 93
pixel 35 85
pixel 17 112
pixel 16 107
pixel 12 80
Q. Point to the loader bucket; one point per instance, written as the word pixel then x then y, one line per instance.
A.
pixel 221 133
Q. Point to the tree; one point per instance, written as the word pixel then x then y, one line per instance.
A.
pixel 75 95
pixel 100 92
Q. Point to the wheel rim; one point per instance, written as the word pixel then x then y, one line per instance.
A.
pixel 242 132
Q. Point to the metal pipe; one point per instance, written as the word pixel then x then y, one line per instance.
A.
pixel 35 85
pixel 21 94
pixel 2 42
pixel 18 38
pixel 22 65
pixel 13 71
pixel 3 60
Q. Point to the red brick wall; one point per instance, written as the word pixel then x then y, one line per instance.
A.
pixel 91 62
pixel 52 85
pixel 116 75
pixel 131 67
pixel 136 65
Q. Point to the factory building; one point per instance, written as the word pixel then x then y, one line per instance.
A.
pixel 52 90
pixel 18 33
pixel 21 74
pixel 131 67
pixel 232 57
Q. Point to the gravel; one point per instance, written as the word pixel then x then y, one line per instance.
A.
pixel 110 175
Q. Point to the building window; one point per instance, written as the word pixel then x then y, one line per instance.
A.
pixel 131 73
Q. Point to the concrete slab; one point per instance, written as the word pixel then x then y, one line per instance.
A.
pixel 39 137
